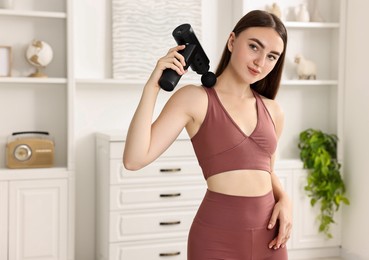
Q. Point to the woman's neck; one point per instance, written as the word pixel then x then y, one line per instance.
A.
pixel 228 84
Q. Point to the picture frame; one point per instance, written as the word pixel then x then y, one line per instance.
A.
pixel 5 61
pixel 135 23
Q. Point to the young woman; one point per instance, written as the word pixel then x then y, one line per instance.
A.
pixel 234 127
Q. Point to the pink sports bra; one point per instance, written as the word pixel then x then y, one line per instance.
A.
pixel 221 146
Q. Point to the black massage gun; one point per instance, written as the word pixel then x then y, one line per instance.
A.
pixel 194 56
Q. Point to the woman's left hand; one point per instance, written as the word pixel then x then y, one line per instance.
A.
pixel 283 213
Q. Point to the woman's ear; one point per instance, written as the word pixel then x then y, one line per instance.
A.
pixel 230 42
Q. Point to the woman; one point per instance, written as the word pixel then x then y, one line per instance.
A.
pixel 234 127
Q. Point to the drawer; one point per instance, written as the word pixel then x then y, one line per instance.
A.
pixel 179 148
pixel 168 169
pixel 152 251
pixel 150 224
pixel 124 197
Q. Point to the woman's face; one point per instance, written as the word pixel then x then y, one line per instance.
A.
pixel 255 52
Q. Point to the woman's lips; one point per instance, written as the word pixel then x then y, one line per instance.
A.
pixel 254 72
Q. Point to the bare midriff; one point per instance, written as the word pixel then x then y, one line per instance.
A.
pixel 241 183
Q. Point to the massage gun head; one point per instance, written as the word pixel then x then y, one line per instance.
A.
pixel 194 56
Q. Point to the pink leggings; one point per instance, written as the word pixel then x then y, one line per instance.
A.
pixel 233 228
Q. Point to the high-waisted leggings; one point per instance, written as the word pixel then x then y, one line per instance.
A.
pixel 234 228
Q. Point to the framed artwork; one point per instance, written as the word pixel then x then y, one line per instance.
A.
pixel 5 61
pixel 142 33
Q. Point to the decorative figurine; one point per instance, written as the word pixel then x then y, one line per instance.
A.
pixel 302 13
pixel 39 54
pixel 316 16
pixel 275 9
pixel 306 69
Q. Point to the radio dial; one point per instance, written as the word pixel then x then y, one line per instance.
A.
pixel 22 152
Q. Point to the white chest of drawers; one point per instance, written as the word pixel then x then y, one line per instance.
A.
pixel 146 214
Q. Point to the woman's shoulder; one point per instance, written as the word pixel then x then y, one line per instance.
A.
pixel 190 93
pixel 192 100
pixel 274 109
pixel 190 89
pixel 271 104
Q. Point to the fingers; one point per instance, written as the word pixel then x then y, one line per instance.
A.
pixel 173 60
pixel 273 218
pixel 283 236
pixel 176 50
pixel 275 244
pixel 281 215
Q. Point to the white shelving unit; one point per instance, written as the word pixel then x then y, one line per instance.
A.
pixel 46 99
pixel 35 104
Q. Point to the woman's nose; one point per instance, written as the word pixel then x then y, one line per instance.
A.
pixel 259 61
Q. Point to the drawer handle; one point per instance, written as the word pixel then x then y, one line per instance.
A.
pixel 168 223
pixel 121 196
pixel 170 170
pixel 169 254
pixel 121 229
pixel 169 195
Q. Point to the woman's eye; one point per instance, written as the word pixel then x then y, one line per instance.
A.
pixel 253 47
pixel 272 57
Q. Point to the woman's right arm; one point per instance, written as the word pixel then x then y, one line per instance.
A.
pixel 141 147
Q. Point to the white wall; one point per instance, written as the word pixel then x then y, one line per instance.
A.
pixel 355 218
pixel 111 106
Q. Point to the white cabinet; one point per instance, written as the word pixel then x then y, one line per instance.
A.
pixel 3 220
pixel 305 234
pixel 164 249
pixel 33 219
pixel 145 214
pixel 305 242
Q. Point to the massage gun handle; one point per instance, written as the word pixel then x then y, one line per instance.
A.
pixel 170 78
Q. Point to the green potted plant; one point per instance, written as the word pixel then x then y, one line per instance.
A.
pixel 325 186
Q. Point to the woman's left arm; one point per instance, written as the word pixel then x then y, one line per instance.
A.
pixel 282 211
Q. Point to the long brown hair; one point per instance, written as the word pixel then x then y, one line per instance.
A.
pixel 269 85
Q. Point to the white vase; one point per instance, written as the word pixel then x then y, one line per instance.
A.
pixel 302 13
pixel 316 15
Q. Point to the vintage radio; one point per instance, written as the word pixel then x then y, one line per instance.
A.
pixel 30 150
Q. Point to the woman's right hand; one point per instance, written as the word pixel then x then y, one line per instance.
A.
pixel 172 60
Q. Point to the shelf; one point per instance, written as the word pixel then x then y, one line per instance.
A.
pixel 133 83
pixel 308 82
pixel 26 80
pixel 36 173
pixel 37 14
pixel 109 81
pixel 184 82
pixel 302 25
